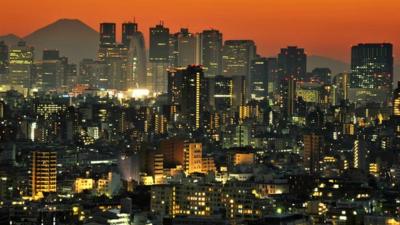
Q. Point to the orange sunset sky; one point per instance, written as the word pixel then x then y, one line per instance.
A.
pixel 322 27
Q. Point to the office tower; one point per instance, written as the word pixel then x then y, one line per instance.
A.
pixel 188 89
pixel 188 48
pixel 158 58
pixel 43 172
pixel 236 59
pixel 288 96
pixel 128 30
pixel 93 74
pixel 312 153
pixel 292 61
pixel 237 56
pixel 193 153
pixel 159 43
pixel 321 75
pixel 372 70
pixel 50 71
pixel 221 93
pixel 259 78
pixel 3 60
pixel 273 77
pixel 107 35
pixel 211 52
pixel 20 58
pixel 70 73
pixel 172 149
pixel 137 59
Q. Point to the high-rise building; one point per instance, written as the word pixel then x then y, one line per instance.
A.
pixel 188 88
pixel 159 43
pixel 193 153
pixel 292 61
pixel 312 153
pixel 3 60
pixel 20 58
pixel 221 92
pixel 107 34
pixel 128 30
pixel 158 58
pixel 43 172
pixel 372 70
pixel 133 39
pixel 211 52
pixel 189 50
pixel 259 78
pixel 292 67
pixel 273 77
pixel 236 59
pixel 50 71
pixel 237 56
pixel 93 74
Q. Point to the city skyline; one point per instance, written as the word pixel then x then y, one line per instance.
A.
pixel 340 24
pixel 176 112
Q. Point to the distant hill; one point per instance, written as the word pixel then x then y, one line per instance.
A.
pixel 10 39
pixel 336 66
pixel 71 37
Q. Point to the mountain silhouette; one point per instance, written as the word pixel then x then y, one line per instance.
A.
pixel 10 39
pixel 336 66
pixel 71 37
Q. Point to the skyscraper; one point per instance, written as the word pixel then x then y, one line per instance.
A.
pixel 237 56
pixel 211 52
pixel 372 70
pixel 50 71
pixel 128 30
pixel 43 172
pixel 188 48
pixel 259 78
pixel 3 59
pixel 158 58
pixel 221 93
pixel 20 59
pixel 188 89
pixel 133 39
pixel 292 67
pixel 159 47
pixel 292 62
pixel 107 34
pixel 236 59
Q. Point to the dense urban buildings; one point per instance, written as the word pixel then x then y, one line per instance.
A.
pixel 195 129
